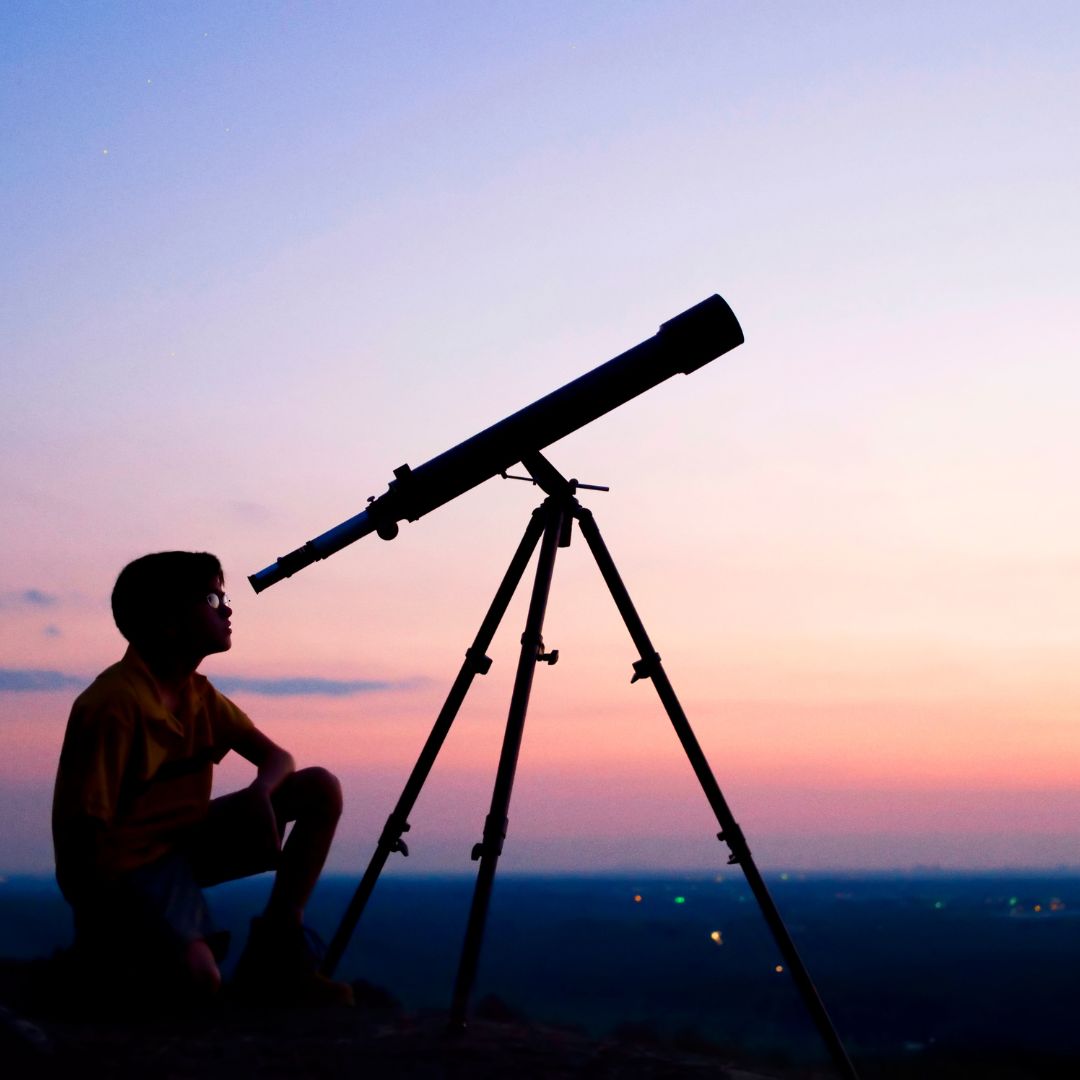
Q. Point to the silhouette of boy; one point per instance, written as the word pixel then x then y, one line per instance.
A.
pixel 136 834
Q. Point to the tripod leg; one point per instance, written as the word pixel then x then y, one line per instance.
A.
pixel 489 849
pixel 649 667
pixel 476 663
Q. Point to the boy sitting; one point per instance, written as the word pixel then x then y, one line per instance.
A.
pixel 135 832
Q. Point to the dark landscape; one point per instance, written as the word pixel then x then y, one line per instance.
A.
pixel 925 975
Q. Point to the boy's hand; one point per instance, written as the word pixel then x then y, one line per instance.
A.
pixel 264 826
pixel 273 764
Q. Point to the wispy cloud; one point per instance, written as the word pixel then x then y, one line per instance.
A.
pixel 41 680
pixel 32 598
pixel 37 598
pixel 254 512
pixel 307 687
pixel 22 680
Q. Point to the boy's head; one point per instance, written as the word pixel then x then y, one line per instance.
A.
pixel 162 601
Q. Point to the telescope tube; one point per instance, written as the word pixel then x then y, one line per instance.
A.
pixel 682 345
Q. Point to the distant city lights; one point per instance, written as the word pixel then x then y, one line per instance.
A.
pixel 1040 907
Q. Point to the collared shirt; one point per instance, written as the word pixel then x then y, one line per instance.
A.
pixel 141 769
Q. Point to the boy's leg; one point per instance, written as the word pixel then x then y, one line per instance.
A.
pixel 279 964
pixel 146 933
pixel 311 799
pixel 240 837
pixel 202 968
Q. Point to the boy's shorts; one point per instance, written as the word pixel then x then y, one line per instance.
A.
pixel 160 907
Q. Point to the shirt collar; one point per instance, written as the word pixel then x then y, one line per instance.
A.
pixel 192 691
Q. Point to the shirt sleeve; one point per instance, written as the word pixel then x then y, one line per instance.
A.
pixel 227 719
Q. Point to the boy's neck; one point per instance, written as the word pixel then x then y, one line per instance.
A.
pixel 171 671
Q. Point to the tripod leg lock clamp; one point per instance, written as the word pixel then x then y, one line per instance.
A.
pixel 479 663
pixel 646 667
pixel 391 835
pixel 494 835
pixel 733 837
pixel 537 642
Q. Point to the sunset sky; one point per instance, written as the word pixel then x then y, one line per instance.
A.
pixel 256 256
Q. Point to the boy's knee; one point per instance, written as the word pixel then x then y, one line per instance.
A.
pixel 322 790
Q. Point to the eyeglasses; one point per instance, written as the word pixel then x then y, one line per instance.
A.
pixel 216 600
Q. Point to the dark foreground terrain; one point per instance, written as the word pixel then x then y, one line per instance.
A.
pixel 244 1044
pixel 377 1040
pixel 925 977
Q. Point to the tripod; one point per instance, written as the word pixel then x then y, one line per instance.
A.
pixel 551 526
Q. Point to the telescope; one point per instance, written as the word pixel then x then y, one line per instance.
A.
pixel 682 345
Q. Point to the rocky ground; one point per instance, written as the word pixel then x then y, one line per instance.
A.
pixel 375 1039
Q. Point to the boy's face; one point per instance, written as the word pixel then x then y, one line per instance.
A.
pixel 205 627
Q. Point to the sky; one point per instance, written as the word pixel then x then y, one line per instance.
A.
pixel 257 256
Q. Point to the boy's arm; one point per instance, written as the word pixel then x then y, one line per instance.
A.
pixel 78 857
pixel 272 762
pixel 93 761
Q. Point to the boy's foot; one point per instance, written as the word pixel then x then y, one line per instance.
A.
pixel 280 966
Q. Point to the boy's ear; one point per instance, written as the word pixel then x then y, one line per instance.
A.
pixel 165 633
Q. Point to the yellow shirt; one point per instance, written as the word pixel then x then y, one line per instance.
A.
pixel 134 765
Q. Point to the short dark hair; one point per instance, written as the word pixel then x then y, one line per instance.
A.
pixel 151 589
